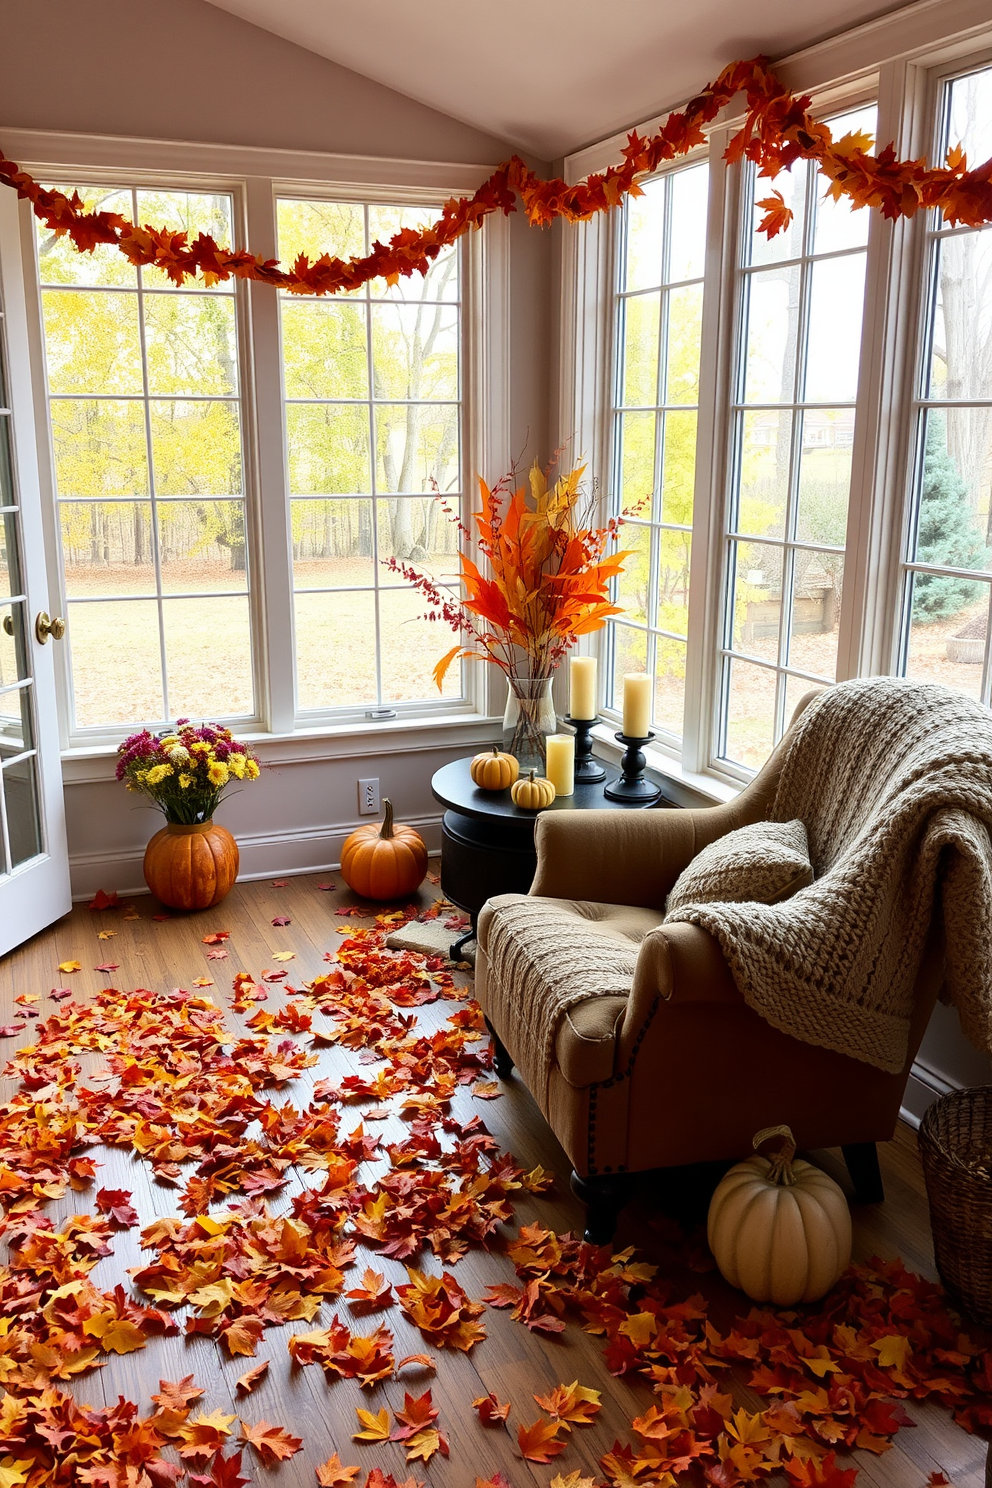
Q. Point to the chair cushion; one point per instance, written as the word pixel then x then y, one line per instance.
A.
pixel 764 862
pixel 567 960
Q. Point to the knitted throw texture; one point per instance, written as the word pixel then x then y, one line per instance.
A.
pixel 893 780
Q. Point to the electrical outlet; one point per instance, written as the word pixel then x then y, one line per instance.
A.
pixel 368 797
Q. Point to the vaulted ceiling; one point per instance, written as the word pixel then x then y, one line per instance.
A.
pixel 549 75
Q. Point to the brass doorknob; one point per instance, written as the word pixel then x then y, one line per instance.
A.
pixel 45 627
pixel 8 625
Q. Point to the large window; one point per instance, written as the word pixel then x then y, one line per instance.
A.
pixel 658 314
pixel 145 401
pixel 792 413
pixel 948 568
pixel 373 434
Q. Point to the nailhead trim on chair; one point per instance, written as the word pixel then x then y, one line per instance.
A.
pixel 623 1074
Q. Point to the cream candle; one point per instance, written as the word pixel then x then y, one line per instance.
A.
pixel 582 687
pixel 560 768
pixel 636 705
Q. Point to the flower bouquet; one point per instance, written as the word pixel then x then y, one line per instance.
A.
pixel 185 773
pixel 548 583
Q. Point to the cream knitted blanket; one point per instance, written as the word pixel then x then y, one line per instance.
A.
pixel 893 780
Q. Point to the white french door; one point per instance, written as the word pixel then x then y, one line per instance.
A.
pixel 34 864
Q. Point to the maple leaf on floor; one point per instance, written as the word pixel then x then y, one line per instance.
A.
pixel 116 1204
pixel 282 920
pixel 939 1480
pixel 218 955
pixel 103 900
pixel 374 1291
pixel 491 1410
pixel 819 1473
pixel 284 955
pixel 217 937
pixel 540 1442
pixel 441 1310
pixel 105 966
pixel 418 1412
pixel 67 966
pixel 327 888
pixel 423 1445
pixel 573 1480
pixel 179 1395
pixel 10 1030
pixel 106 934
pixel 224 1472
pixel 375 1427
pixel 59 994
pixel 573 1404
pixel 246 1382
pixel 204 1436
pixel 272 1443
pixel 487 1090
pixel 279 883
pixel 333 1474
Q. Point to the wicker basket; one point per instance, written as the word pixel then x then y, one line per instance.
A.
pixel 956 1148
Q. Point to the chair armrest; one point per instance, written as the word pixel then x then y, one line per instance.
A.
pixel 612 857
pixel 681 963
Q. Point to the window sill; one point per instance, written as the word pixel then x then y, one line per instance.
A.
pixel 91 763
pixel 682 786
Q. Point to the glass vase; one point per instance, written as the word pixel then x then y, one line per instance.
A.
pixel 528 720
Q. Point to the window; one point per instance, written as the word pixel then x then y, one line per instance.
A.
pixel 373 431
pixel 144 389
pixel 947 573
pixel 792 411
pixel 658 316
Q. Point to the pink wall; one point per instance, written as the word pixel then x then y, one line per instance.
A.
pixel 182 69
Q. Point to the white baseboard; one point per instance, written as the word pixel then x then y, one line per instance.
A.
pixel 923 1087
pixel 263 855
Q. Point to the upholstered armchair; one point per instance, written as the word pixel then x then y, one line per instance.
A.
pixel 658 1060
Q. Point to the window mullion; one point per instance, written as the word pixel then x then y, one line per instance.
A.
pixel 272 590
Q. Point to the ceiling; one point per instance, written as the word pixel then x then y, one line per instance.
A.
pixel 549 76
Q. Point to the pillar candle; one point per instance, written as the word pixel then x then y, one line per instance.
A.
pixel 637 705
pixel 582 687
pixel 560 768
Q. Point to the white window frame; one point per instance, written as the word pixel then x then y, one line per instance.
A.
pixel 901 62
pixel 256 178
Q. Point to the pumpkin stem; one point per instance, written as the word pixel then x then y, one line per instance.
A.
pixel 530 775
pixel 386 830
pixel 780 1161
pixel 496 751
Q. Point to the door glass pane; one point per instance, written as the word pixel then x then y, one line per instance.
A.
pixel 687 245
pixel 791 186
pixel 963 318
pixel 641 333
pixel 191 344
pixel 20 803
pixel 16 733
pixel 325 351
pixel 678 467
pixel 674 553
pixel 636 440
pixel 328 449
pixel 633 585
pixel 763 479
pixel 415 351
pixel 645 236
pixel 60 263
pixel 92 343
pixel 196 448
pixel 10 578
pixel 414 530
pixel 416 447
pixel 6 475
pixel 953 513
pixel 14 651
pixel 685 319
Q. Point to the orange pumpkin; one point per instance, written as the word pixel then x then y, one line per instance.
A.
pixel 384 862
pixel 191 867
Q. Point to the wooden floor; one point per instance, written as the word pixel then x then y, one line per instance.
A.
pixel 511 1362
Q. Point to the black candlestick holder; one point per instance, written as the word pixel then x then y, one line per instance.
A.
pixel 587 769
pixel 632 786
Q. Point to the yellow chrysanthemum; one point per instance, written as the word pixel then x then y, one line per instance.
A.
pixel 199 748
pixel 185 781
pixel 236 765
pixel 218 774
pixel 158 773
pixel 251 770
pixel 170 739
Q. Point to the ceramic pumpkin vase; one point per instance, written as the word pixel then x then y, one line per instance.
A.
pixel 191 867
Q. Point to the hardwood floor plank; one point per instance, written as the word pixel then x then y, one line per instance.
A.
pixel 512 1362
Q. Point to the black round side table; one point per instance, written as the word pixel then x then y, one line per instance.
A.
pixel 487 843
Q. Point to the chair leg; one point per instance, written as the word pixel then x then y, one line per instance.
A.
pixel 862 1164
pixel 604 1195
pixel 502 1063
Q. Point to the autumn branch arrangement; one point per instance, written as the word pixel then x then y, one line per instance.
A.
pixel 778 130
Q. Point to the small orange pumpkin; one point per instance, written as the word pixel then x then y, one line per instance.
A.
pixel 532 793
pixel 494 771
pixel 191 867
pixel 384 862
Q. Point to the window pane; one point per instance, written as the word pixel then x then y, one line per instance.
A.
pixel 324 350
pixel 20 797
pixel 791 185
pixel 825 475
pixel 60 263
pixel 750 721
pixel 328 449
pixel 645 236
pixel 678 467
pixel 685 316
pixel 953 513
pixel 91 341
pixel 757 598
pixel 796 689
pixel 633 585
pixel 817 584
pixel 6 474
pixel 687 250
pixel 315 227
pixel 441 280
pixel 196 448
pixel 332 544
pixel 642 319
pixel 630 654
pixel 763 478
pixel 669 685
pixel 191 344
pixel 673 581
pixel 100 448
pixel 191 212
pixel 410 647
pixel 637 431
pixel 948 632
pixel 414 530
pixel 335 651
pixel 202 546
pixel 833 353
pixel 415 351
pixel 839 224
pixel 772 335
pixel 970 115
pixel 131 689
pixel 107 548
pixel 208 657
pixel 417 447
pixel 960 366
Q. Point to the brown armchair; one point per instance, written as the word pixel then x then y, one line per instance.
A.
pixel 663 1063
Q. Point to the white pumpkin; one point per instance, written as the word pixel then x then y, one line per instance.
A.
pixel 779 1228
